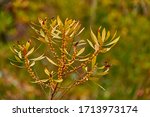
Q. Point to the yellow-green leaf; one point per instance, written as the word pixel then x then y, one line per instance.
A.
pixel 32 64
pixel 108 35
pixel 44 80
pixel 93 37
pixel 52 62
pixel 19 54
pixel 80 51
pixel 103 35
pixel 27 45
pixel 80 31
pixel 90 43
pixel 16 65
pixel 42 33
pixel 113 42
pixel 38 58
pixel 30 52
pixel 59 21
pixel 94 61
pixel 47 72
pixel 58 80
pixel 18 59
pixel 85 59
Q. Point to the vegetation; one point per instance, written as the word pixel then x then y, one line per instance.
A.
pixel 66 54
pixel 129 59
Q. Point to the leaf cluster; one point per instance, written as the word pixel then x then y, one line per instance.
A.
pixel 67 54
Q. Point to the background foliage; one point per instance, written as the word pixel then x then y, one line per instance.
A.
pixel 129 76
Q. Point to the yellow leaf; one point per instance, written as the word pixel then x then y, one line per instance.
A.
pixel 42 33
pixel 58 80
pixel 47 72
pixel 59 21
pixel 80 31
pixel 108 35
pixel 27 45
pixel 93 37
pixel 103 35
pixel 93 61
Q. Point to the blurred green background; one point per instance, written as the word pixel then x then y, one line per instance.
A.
pixel 129 76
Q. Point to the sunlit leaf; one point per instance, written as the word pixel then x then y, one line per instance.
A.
pixel 108 35
pixel 30 52
pixel 103 34
pixel 93 37
pixel 27 45
pixel 90 43
pixel 43 81
pixel 59 21
pixel 32 64
pixel 80 31
pixel 47 72
pixel 19 54
pixel 96 47
pixel 38 58
pixel 52 62
pixel 80 51
pixel 113 42
pixel 114 36
pixel 94 61
pixel 58 80
pixel 42 33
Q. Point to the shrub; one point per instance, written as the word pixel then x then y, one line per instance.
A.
pixel 66 55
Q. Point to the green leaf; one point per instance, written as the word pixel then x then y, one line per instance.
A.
pixel 17 58
pixel 52 62
pixel 98 85
pixel 80 51
pixel 30 52
pixel 16 65
pixel 93 37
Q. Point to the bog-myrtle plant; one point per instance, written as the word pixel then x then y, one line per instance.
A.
pixel 66 63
